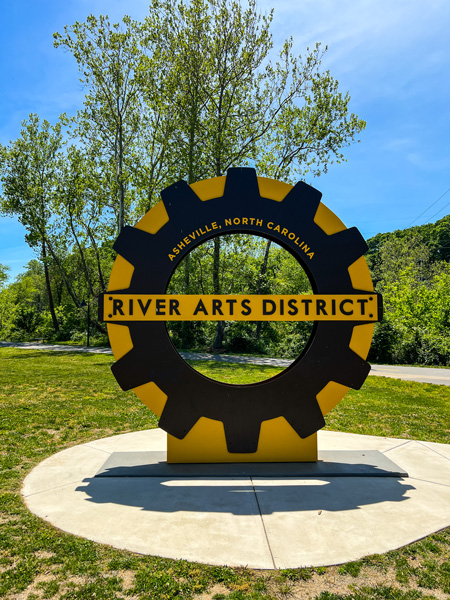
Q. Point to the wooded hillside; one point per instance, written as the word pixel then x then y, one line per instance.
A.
pixel 411 269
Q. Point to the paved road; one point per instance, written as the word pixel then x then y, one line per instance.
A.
pixel 421 374
pixel 55 347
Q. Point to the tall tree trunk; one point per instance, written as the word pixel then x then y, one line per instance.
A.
pixel 82 257
pixel 262 274
pixel 64 277
pixel 97 257
pixel 220 328
pixel 187 328
pixel 49 289
pixel 119 173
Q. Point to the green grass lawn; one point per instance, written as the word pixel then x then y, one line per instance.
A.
pixel 384 406
pixel 52 400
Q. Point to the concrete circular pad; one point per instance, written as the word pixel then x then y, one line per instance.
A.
pixel 263 522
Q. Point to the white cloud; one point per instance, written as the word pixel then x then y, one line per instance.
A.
pixel 400 144
pixel 379 44
pixel 429 163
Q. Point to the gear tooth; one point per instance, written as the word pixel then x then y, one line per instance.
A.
pixel 177 198
pixel 131 370
pixel 242 436
pixel 134 245
pixel 332 355
pixel 351 245
pixel 178 418
pixel 303 201
pixel 355 372
pixel 241 188
pixel 305 418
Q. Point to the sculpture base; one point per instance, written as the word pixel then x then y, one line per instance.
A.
pixel 206 443
pixel 331 463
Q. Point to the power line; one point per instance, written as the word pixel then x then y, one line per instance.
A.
pixel 448 203
pixel 383 220
pixel 417 218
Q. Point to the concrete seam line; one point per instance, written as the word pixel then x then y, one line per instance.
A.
pixel 423 443
pixel 405 443
pixel 88 445
pixel 52 489
pixel 263 524
pixel 428 481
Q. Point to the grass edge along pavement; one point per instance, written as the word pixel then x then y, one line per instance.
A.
pixel 46 406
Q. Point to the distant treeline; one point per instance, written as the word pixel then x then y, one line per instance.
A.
pixel 409 267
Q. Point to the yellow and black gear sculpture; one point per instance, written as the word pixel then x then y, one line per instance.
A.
pixel 291 405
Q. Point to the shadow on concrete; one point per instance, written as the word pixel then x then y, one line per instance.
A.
pixel 244 496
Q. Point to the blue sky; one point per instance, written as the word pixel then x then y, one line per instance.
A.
pixel 393 56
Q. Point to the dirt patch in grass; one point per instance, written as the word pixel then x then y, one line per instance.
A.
pixel 217 590
pixel 334 582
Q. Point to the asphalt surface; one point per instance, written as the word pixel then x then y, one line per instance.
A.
pixel 438 376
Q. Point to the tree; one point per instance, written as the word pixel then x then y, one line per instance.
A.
pixel 235 107
pixel 108 58
pixel 84 216
pixel 240 264
pixel 28 175
pixel 3 274
pixel 415 293
pixel 417 314
pixel 396 254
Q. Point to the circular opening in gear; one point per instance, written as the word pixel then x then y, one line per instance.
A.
pixel 239 352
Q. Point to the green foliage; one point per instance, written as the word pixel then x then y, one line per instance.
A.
pixel 3 274
pixel 51 189
pixel 416 292
pixel 436 237
pixel 249 265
